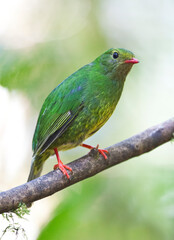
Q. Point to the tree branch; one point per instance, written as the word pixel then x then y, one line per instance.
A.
pixel 87 166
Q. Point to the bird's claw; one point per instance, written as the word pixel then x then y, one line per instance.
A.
pixel 101 151
pixel 63 168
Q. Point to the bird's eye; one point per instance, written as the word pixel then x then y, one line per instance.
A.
pixel 115 55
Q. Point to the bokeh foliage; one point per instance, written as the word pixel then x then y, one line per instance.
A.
pixel 116 207
pixel 131 201
pixel 38 69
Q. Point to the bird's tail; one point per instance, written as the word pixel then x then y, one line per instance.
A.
pixel 36 167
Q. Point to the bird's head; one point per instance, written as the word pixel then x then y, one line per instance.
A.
pixel 117 62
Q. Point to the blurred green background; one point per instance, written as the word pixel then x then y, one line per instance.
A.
pixel 41 43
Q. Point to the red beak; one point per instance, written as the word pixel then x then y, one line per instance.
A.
pixel 133 60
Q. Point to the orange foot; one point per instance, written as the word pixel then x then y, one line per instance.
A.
pixel 61 166
pixel 101 151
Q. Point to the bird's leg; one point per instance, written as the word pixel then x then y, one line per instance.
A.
pixel 101 151
pixel 60 165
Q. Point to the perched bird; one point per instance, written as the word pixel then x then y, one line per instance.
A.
pixel 78 107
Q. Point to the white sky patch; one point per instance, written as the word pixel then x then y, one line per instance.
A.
pixel 15 138
pixel 26 22
pixel 14 29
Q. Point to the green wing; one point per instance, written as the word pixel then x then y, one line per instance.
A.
pixel 59 109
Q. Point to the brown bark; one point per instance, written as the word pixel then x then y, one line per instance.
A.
pixel 87 166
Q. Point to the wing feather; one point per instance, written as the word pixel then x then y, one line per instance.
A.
pixel 58 129
pixel 60 108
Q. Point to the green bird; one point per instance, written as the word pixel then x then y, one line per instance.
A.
pixel 78 107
